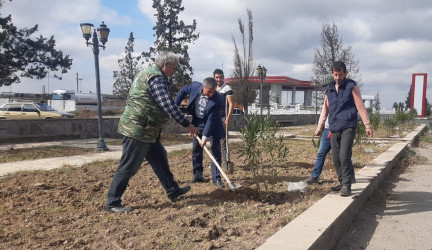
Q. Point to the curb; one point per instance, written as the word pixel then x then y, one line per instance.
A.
pixel 320 226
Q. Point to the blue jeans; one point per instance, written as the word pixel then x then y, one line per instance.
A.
pixel 133 155
pixel 323 150
pixel 342 143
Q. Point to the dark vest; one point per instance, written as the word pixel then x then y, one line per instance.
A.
pixel 342 109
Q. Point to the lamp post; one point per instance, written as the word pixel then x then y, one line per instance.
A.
pixel 87 31
pixel 262 72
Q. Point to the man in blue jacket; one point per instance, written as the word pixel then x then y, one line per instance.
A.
pixel 204 106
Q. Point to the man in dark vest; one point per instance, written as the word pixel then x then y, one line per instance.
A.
pixel 342 103
pixel 148 109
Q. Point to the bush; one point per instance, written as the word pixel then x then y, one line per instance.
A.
pixel 260 143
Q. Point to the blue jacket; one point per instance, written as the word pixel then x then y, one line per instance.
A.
pixel 212 119
pixel 342 109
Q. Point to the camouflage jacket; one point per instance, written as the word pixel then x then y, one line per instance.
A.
pixel 143 118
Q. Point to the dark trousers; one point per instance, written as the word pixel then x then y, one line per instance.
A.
pixel 133 155
pixel 341 144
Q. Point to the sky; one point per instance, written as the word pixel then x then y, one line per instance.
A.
pixel 392 39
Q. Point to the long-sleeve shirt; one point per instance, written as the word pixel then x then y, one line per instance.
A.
pixel 159 90
pixel 361 109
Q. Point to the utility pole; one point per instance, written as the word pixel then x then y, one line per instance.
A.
pixel 77 79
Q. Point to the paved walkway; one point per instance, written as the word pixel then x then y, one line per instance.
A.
pixel 77 160
pixel 398 216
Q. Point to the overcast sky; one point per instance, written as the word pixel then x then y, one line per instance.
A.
pixel 392 39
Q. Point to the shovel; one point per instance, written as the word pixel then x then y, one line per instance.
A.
pixel 231 185
pixel 230 165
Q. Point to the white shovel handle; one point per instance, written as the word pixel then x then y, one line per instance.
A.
pixel 215 162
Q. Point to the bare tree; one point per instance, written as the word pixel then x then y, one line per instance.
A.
pixel 332 50
pixel 243 87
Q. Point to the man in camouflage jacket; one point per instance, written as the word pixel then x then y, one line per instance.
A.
pixel 148 109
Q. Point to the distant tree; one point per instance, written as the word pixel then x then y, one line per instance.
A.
pixel 173 35
pixel 24 56
pixel 332 50
pixel 395 105
pixel 243 87
pixel 408 99
pixel 129 68
pixel 408 103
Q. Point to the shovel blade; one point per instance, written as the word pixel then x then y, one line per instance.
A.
pixel 233 186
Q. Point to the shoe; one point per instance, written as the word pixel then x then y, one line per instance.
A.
pixel 345 191
pixel 181 191
pixel 195 180
pixel 218 183
pixel 118 210
pixel 311 180
pixel 353 180
pixel 336 188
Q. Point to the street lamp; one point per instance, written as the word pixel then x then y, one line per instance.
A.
pixel 262 72
pixel 87 30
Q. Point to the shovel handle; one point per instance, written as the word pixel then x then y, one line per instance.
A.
pixel 215 162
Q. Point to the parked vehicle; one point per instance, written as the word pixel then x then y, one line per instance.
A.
pixel 79 98
pixel 31 110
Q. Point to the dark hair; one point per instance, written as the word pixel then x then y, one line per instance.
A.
pixel 218 71
pixel 338 66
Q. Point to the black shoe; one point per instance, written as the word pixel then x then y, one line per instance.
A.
pixel 218 183
pixel 345 191
pixel 311 180
pixel 118 210
pixel 181 191
pixel 195 180
pixel 336 188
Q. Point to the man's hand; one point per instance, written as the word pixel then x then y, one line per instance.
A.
pixel 192 130
pixel 227 122
pixel 318 130
pixel 203 142
pixel 369 132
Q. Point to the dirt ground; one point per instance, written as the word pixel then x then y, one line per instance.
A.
pixel 62 208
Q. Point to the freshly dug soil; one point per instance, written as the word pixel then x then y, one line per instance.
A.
pixel 62 208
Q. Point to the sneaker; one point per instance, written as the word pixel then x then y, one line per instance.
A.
pixel 218 183
pixel 118 210
pixel 311 180
pixel 345 191
pixel 195 180
pixel 181 191
pixel 336 188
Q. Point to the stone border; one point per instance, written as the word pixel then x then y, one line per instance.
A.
pixel 320 226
